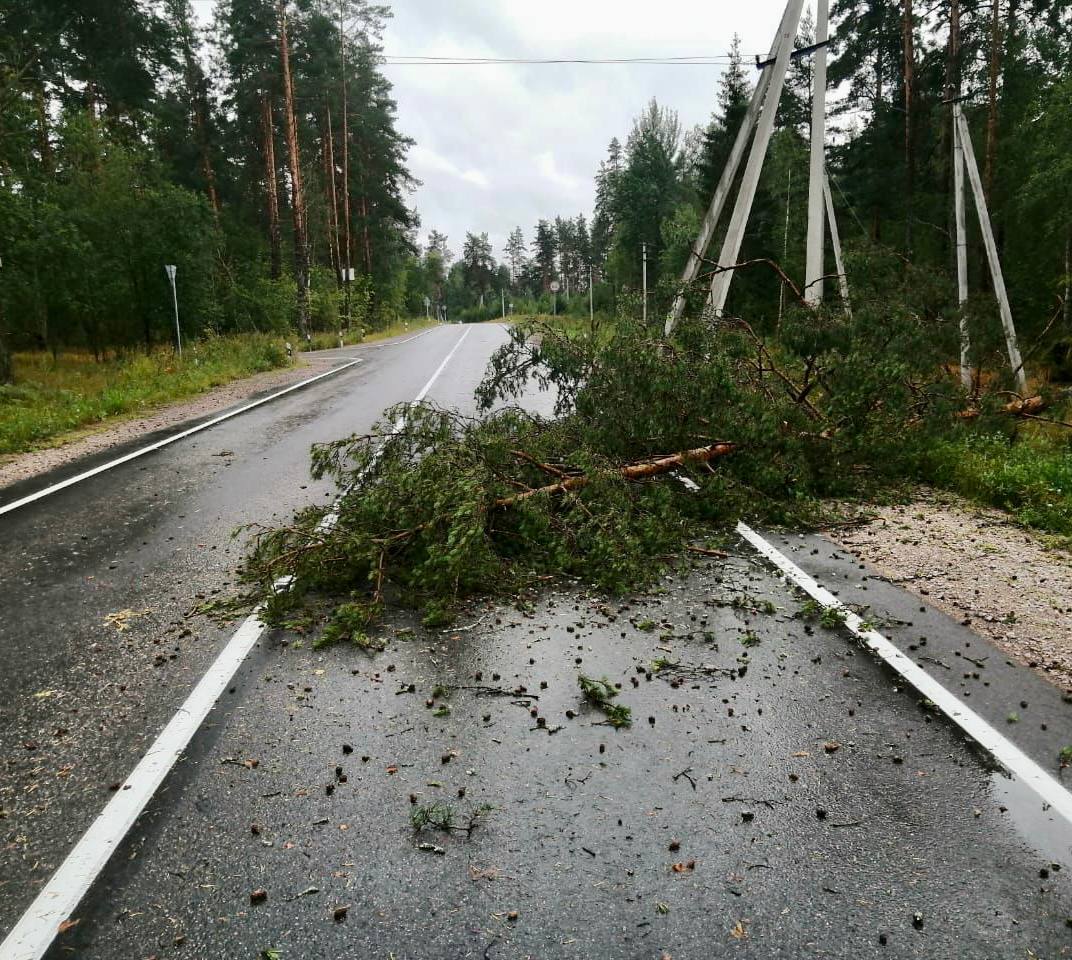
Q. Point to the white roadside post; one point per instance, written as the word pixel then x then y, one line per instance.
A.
pixel 814 269
pixel 503 294
pixel 171 269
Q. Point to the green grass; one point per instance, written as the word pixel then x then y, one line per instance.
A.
pixel 1030 477
pixel 50 398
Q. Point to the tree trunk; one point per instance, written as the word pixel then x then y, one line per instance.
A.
pixel 952 90
pixel 639 471
pixel 347 251
pixel 1068 279
pixel 332 198
pixel 297 194
pixel 6 373
pixel 43 141
pixel 908 42
pixel 198 105
pixel 271 189
pixel 990 163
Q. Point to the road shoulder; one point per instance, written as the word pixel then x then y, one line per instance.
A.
pixel 979 567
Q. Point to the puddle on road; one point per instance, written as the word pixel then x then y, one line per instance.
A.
pixel 1038 825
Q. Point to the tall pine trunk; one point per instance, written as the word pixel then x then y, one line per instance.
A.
pixel 952 91
pixel 198 105
pixel 992 101
pixel 332 197
pixel 347 250
pixel 6 373
pixel 44 143
pixel 908 42
pixel 271 190
pixel 297 193
pixel 1067 306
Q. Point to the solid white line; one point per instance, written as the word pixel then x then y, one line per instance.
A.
pixel 38 926
pixel 182 435
pixel 1002 749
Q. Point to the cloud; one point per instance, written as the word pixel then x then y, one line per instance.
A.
pixel 505 146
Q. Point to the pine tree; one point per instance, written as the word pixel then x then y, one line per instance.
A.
pixel 732 99
pixel 544 251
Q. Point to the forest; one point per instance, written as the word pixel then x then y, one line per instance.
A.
pixel 263 155
pixel 894 69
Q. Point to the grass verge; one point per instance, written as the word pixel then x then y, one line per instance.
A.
pixel 53 397
pixel 1029 476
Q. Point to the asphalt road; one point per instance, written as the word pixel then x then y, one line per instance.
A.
pixel 778 794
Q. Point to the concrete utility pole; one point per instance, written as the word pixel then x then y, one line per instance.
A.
pixel 644 248
pixel 814 270
pixel 171 269
pixel 725 184
pixel 835 239
pixel 731 247
pixel 962 250
pixel 503 293
pixel 968 153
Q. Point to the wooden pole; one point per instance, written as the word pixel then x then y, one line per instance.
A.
pixel 814 270
pixel 998 278
pixel 731 247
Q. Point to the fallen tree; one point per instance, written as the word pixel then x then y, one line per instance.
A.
pixel 447 507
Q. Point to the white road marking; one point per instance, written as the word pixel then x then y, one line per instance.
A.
pixel 37 927
pixel 182 435
pixel 1052 793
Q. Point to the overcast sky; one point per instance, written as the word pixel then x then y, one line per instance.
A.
pixel 503 146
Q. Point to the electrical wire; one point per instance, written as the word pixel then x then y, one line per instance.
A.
pixel 436 61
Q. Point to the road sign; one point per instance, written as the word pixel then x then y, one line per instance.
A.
pixel 555 286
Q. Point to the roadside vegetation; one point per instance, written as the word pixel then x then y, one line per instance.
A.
pixel 768 424
pixel 1026 472
pixel 52 396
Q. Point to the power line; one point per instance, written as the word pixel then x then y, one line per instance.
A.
pixel 437 61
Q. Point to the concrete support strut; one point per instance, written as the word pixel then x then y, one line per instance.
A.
pixel 731 247
pixel 725 184
pixel 814 263
pixel 968 153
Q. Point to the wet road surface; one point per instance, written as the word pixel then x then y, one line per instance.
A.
pixel 96 646
pixel 778 793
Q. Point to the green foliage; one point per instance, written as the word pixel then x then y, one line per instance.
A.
pixel 438 816
pixel 1031 477
pixel 832 618
pixel 433 514
pixel 601 693
pixel 349 624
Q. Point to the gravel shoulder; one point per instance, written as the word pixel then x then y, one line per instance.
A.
pixel 978 566
pixel 15 468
